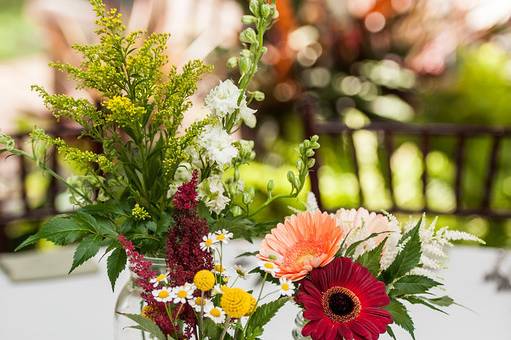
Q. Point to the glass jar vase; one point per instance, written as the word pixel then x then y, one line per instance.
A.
pixel 130 302
pixel 299 323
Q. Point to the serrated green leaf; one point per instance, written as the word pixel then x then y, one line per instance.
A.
pixel 61 230
pixel 146 325
pixel 115 265
pixel 391 333
pixel 371 259
pixel 443 301
pixel 413 284
pixel 86 249
pixel 420 300
pixel 407 259
pixel 401 317
pixel 351 249
pixel 262 315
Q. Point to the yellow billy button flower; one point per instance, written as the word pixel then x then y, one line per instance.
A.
pixel 253 304
pixel 204 280
pixel 235 302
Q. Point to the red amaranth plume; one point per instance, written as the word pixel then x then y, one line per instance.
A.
pixel 185 199
pixel 184 256
pixel 142 269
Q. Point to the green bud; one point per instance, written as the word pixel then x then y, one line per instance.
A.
pixel 245 64
pixel 259 96
pixel 270 185
pixel 299 164
pixel 264 49
pixel 232 62
pixel 248 36
pixel 236 174
pixel 246 53
pixel 291 177
pixel 266 10
pixel 314 138
pixel 309 153
pixel 252 155
pixel 248 19
pixel 236 211
pixel 254 7
pixel 311 162
pixel 306 143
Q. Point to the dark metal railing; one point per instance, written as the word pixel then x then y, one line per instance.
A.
pixel 425 134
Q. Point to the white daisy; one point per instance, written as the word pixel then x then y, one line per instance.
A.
pixel 163 295
pixel 268 267
pixel 199 302
pixel 217 289
pixel 240 271
pixel 181 294
pixel 208 242
pixel 218 268
pixel 287 287
pixel 160 279
pixel 215 313
pixel 223 236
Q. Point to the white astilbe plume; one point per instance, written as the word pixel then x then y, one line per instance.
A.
pixel 359 224
pixel 312 202
pixel 434 245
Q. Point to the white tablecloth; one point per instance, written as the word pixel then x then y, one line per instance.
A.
pixel 81 307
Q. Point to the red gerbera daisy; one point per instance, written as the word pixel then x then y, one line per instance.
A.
pixel 343 300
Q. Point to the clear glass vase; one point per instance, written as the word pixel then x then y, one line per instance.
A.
pixel 299 323
pixel 130 302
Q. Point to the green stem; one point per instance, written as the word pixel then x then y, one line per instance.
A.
pixel 201 317
pixel 226 327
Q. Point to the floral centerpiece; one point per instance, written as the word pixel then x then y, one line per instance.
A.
pixel 159 189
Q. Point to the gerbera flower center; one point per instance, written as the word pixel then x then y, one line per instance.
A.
pixel 303 252
pixel 341 304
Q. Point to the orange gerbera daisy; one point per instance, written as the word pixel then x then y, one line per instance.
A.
pixel 303 242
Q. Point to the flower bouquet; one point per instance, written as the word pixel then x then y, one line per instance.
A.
pixel 161 190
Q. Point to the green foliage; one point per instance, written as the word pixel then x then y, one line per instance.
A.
pixel 115 265
pixel 412 284
pixel 261 317
pixel 407 259
pixel 371 259
pixel 401 317
pixel 146 325
pixel 86 249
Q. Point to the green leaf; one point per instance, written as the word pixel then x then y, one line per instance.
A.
pixel 420 300
pixel 115 265
pixel 413 284
pixel 443 301
pixel 262 315
pixel 248 254
pixel 371 259
pixel 391 333
pixel 61 230
pixel 407 259
pixel 87 248
pixel 351 249
pixel 146 325
pixel 401 317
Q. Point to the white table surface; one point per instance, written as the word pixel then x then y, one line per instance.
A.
pixel 81 307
